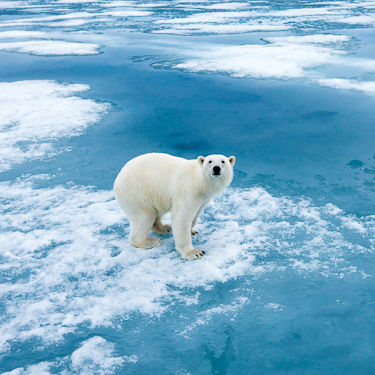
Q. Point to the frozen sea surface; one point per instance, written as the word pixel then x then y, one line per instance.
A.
pixel 287 282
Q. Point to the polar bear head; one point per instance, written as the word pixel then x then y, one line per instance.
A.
pixel 218 167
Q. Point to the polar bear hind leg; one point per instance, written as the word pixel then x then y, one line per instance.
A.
pixel 141 223
pixel 160 227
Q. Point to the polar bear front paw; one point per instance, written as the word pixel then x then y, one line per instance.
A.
pixel 194 254
pixel 194 232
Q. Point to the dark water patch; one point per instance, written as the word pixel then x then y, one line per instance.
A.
pixel 356 164
pixel 320 115
pixel 16 276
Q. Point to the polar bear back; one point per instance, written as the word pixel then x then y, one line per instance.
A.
pixel 155 180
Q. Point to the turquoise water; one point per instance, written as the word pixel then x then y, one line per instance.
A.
pixel 286 285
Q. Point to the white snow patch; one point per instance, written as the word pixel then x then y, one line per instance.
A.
pixel 358 20
pixel 119 4
pixel 13 4
pixel 74 22
pixel 274 306
pixel 114 4
pixel 34 20
pixel 228 6
pixel 302 12
pixel 95 356
pixel 35 113
pixel 310 39
pixel 21 34
pixel 74 18
pixel 280 57
pixel 276 60
pixel 51 47
pixel 42 368
pixel 348 84
pixel 220 29
pixel 353 224
pixel 127 13
pixel 78 1
pixel 214 17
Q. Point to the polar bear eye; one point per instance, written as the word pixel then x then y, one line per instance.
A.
pixel 210 161
pixel 223 161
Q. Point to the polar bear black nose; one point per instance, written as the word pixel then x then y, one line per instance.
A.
pixel 216 170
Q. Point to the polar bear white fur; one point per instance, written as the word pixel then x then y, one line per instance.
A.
pixel 151 185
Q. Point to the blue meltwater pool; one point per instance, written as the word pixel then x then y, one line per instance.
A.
pixel 286 285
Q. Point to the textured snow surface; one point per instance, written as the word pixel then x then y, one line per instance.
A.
pixel 60 244
pixel 94 356
pixel 34 114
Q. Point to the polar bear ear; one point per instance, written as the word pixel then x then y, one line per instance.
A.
pixel 232 160
pixel 201 159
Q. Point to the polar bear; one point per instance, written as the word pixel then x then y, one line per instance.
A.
pixel 151 185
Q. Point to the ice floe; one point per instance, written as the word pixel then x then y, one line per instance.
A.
pixel 66 248
pixel 279 59
pixel 14 4
pixel 221 29
pixel 227 6
pixel 114 4
pixel 127 13
pixel 310 39
pixel 51 48
pixel 34 114
pixel 358 20
pixel 349 84
pixel 21 34
pixel 213 17
pixel 36 20
pixel 96 355
pixel 282 57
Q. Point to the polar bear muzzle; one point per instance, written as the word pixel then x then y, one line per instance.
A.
pixel 216 170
